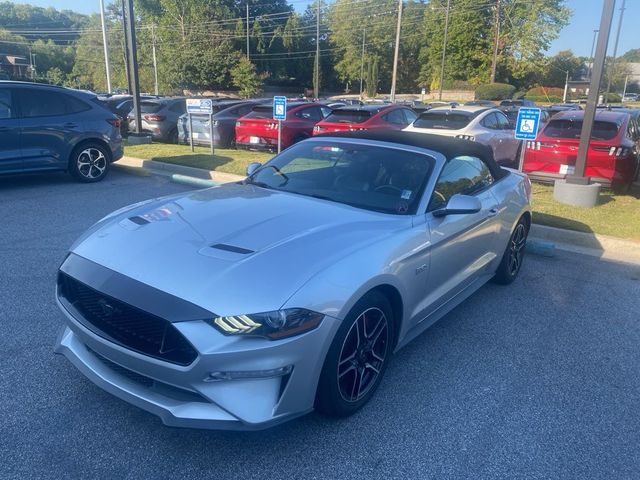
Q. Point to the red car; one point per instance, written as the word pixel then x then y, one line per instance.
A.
pixel 614 150
pixel 259 131
pixel 366 117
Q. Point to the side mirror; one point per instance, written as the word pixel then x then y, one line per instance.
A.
pixel 459 205
pixel 252 167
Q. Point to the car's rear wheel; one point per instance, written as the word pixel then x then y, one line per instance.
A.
pixel 513 255
pixel 89 162
pixel 357 358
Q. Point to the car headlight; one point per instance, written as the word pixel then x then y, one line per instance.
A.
pixel 273 325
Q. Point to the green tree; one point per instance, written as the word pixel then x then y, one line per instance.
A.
pixel 55 76
pixel 555 69
pixel 632 55
pixel 245 77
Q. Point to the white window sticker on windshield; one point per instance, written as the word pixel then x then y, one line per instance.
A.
pixel 406 194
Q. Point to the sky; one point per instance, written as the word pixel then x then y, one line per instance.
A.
pixel 577 36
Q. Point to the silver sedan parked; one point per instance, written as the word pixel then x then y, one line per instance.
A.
pixel 486 125
pixel 245 305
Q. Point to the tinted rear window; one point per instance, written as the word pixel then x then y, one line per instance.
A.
pixel 443 120
pixel 150 107
pixel 567 128
pixel 265 111
pixel 348 116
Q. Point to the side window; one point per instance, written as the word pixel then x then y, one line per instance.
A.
pixel 311 113
pixel 464 175
pixel 395 116
pixel 326 111
pixel 490 121
pixel 503 121
pixel 6 104
pixel 410 116
pixel 45 103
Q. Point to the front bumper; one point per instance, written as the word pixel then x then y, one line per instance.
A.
pixel 181 397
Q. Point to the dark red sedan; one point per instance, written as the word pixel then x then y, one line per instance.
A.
pixel 366 117
pixel 259 131
pixel 614 150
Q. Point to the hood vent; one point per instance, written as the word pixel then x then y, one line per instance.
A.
pixel 139 220
pixel 232 248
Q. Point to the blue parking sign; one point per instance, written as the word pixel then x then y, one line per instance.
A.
pixel 279 108
pixel 527 123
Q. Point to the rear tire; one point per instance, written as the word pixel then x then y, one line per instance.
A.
pixel 89 162
pixel 357 358
pixel 513 255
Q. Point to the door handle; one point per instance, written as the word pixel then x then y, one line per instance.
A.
pixel 4 129
pixel 493 212
pixel 70 125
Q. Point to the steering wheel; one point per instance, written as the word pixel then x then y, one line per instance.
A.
pixel 279 172
pixel 391 189
pixel 440 196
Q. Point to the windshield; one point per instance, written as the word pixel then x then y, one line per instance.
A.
pixel 374 178
pixel 447 120
pixel 348 116
pixel 568 128
pixel 261 111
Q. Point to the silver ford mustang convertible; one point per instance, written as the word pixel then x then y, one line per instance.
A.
pixel 248 304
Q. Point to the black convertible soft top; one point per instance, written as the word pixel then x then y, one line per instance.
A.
pixel 450 147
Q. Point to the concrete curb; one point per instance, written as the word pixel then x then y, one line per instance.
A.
pixel 193 181
pixel 593 244
pixel 139 171
pixel 170 169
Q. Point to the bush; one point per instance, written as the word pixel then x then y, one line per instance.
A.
pixel 544 92
pixel 544 99
pixel 494 91
pixel 612 98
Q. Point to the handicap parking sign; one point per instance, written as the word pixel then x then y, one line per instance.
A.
pixel 527 123
pixel 280 108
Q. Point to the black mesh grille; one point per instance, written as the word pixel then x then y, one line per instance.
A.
pixel 124 324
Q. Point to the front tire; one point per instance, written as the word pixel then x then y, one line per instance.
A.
pixel 513 255
pixel 89 163
pixel 357 358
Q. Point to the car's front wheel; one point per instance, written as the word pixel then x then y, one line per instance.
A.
pixel 512 258
pixel 357 358
pixel 89 163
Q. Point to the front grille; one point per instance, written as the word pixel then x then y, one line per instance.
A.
pixel 124 324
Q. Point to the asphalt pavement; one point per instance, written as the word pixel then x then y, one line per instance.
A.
pixel 540 379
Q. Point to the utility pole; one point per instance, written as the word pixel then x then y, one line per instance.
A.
pixel 610 70
pixel 105 46
pixel 494 62
pixel 593 46
pixel 133 64
pixel 566 87
pixel 248 31
pixel 396 53
pixel 316 81
pixel 590 110
pixel 125 46
pixel 155 60
pixel 364 36
pixel 444 47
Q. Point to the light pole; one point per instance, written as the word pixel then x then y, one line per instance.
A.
pixel 610 70
pixel 105 46
pixel 316 83
pixel 444 48
pixel 364 36
pixel 396 54
pixel 494 63
pixel 593 46
pixel 566 87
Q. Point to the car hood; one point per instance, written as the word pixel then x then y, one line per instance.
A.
pixel 233 249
